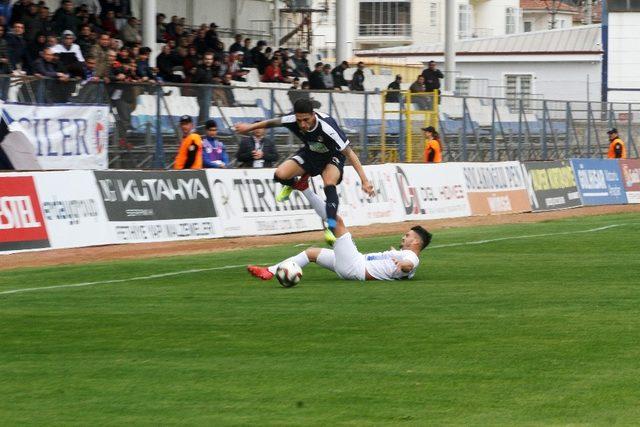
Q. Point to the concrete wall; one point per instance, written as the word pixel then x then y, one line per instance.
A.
pixel 624 56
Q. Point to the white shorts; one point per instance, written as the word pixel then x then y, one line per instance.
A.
pixel 349 263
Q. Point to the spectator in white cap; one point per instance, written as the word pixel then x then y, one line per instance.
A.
pixel 69 53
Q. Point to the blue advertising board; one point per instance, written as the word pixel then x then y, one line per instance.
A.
pixel 599 181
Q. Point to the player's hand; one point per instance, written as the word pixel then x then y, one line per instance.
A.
pixel 242 127
pixel 367 187
pixel 398 263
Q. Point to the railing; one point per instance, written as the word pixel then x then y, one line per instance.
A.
pixel 384 30
pixel 144 131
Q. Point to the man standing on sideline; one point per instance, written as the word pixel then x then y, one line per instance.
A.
pixel 617 149
pixel 214 153
pixel 190 152
pixel 257 151
pixel 432 78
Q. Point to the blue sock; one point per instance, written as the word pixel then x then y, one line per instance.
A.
pixel 331 193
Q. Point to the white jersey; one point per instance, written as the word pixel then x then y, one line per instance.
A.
pixel 380 265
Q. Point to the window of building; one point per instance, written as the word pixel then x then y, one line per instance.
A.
pixel 433 15
pixel 512 18
pixel 518 86
pixel 528 26
pixel 464 21
pixel 385 18
pixel 463 86
pixel 623 6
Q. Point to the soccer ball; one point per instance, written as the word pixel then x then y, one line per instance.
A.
pixel 288 274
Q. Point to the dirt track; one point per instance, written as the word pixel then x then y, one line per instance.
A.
pixel 149 250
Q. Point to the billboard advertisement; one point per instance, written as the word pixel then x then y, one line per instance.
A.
pixel 22 224
pixel 599 181
pixel 631 179
pixel 495 188
pixel 551 185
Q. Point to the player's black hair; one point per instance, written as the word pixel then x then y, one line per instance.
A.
pixel 425 236
pixel 303 106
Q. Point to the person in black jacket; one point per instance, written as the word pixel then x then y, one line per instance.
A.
pixel 258 58
pixel 432 78
pixel 316 81
pixel 206 74
pixel 338 75
pixel 393 90
pixel 257 151
pixel 357 81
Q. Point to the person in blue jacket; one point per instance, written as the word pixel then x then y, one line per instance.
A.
pixel 214 154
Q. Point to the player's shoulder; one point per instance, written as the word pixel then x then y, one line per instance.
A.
pixel 410 256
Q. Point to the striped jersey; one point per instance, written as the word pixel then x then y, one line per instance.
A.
pixel 325 137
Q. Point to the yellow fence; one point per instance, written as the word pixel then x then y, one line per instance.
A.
pixel 401 136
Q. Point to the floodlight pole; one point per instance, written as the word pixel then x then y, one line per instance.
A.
pixel 149 8
pixel 344 25
pixel 449 45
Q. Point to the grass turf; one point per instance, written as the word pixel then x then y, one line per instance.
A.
pixel 535 330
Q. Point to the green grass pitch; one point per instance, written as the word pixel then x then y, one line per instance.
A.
pixel 534 330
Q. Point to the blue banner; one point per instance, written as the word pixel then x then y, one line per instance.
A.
pixel 599 181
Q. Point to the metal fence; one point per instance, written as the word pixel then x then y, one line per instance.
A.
pixel 144 130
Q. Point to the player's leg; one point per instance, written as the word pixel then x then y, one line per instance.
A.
pixel 323 257
pixel 331 176
pixel 285 174
pixel 350 263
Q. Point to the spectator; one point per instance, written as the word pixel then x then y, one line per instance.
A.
pixel 189 154
pixel 433 148
pixel 248 56
pixel 316 81
pixel 200 42
pixel 357 80
pixel 100 52
pixel 258 58
pixel 171 27
pixel 422 100
pixel 31 19
pixel 327 78
pixel 273 73
pixel 143 69
pixel 165 62
pixel 224 95
pixel 207 73
pixel 36 46
pixel 257 151
pixel 44 22
pixel 432 77
pixel 237 45
pixel 109 23
pixel 89 91
pixel 68 52
pixel 85 39
pixel 161 27
pixel 130 32
pixel 123 95
pixel 338 75
pixel 616 146
pixel 300 64
pixel 191 61
pixel 5 65
pixel 214 153
pixel 47 66
pixel 18 10
pixel 18 54
pixel 393 90
pixel 234 66
pixel 64 18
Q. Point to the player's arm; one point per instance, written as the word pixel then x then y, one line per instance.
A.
pixel 367 187
pixel 404 266
pixel 265 124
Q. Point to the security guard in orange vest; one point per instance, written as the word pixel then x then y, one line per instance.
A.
pixel 190 152
pixel 432 149
pixel 616 146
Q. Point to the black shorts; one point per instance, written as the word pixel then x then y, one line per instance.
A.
pixel 314 163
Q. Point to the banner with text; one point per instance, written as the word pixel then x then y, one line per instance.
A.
pixel 551 185
pixel 599 181
pixel 64 136
pixel 22 225
pixel 72 208
pixel 158 206
pixel 245 200
pixel 631 179
pixel 356 208
pixel 495 188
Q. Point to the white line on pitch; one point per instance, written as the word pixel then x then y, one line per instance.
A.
pixel 227 267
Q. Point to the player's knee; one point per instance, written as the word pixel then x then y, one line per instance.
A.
pixel 312 254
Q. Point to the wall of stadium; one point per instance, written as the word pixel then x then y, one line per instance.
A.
pixel 66 209
pixel 624 57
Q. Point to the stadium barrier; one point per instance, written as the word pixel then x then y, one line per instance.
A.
pixel 68 209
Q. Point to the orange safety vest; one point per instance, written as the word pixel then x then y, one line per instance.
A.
pixel 617 144
pixel 189 143
pixel 433 152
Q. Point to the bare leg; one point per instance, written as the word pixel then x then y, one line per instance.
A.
pixel 287 171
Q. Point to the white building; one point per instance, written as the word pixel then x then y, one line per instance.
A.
pixel 623 64
pixel 563 64
pixel 540 15
pixel 404 22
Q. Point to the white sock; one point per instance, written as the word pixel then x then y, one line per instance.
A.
pixel 301 259
pixel 316 202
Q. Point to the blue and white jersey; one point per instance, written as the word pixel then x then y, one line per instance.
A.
pixel 325 137
pixel 380 265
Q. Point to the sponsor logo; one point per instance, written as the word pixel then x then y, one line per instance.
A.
pixel 501 177
pixel 499 204
pixel 631 175
pixel 21 222
pixel 152 189
pixel 414 199
pixel 71 211
pixel 259 195
pixel 318 147
pixel 552 178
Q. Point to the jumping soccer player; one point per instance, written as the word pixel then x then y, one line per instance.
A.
pixel 325 149
pixel 345 259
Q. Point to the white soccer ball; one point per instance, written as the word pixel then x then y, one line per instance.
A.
pixel 289 274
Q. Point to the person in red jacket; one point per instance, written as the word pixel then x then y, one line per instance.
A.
pixel 273 73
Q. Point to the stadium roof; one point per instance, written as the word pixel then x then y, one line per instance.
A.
pixel 584 39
